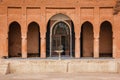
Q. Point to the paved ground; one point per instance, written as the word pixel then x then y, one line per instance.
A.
pixel 62 76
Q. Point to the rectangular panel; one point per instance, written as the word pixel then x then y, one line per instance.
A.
pixel 14 10
pixel 106 11
pixel 87 12
pixel 33 10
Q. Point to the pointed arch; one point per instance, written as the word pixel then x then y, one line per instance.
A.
pixel 86 41
pixel 33 40
pixel 61 16
pixel 106 41
pixel 14 40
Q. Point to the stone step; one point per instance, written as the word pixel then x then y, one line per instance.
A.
pixel 4 68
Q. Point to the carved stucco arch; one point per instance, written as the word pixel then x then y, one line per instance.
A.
pixel 52 15
pixel 57 21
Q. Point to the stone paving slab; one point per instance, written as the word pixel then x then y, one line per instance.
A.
pixel 62 76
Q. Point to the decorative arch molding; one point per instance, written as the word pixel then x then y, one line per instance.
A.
pixel 55 27
pixel 52 15
pixel 58 22
pixel 50 25
pixel 64 37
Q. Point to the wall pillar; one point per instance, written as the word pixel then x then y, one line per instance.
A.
pixel 4 29
pixel 24 47
pixel 96 47
pixel 4 48
pixel 24 32
pixel 43 47
pixel 77 30
pixel 43 32
pixel 96 30
pixel 77 47
pixel 115 45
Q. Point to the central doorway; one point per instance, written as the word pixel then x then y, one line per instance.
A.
pixel 60 37
pixel 60 31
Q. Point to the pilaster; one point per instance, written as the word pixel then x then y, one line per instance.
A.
pixel 24 47
pixel 96 47
pixel 77 47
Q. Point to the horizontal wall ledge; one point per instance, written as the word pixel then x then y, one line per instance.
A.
pixel 62 66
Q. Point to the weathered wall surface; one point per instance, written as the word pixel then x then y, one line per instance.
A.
pixel 70 66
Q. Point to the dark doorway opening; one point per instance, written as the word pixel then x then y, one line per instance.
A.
pixel 106 41
pixel 86 41
pixel 33 40
pixel 14 40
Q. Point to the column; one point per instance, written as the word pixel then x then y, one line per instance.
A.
pixel 96 30
pixel 43 32
pixel 43 47
pixel 77 30
pixel 77 47
pixel 24 32
pixel 24 47
pixel 96 47
pixel 114 55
